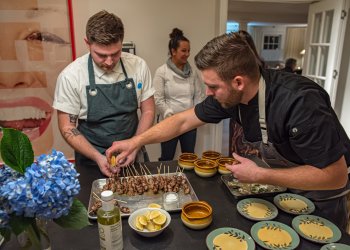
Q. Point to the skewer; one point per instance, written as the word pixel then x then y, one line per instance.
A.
pixel 133 166
pixel 120 201
pixel 127 171
pixel 143 172
pixel 130 171
pixel 96 196
pixel 149 172
pixel 123 171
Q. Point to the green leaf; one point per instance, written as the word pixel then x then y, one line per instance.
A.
pixel 16 149
pixel 19 223
pixel 6 233
pixel 77 217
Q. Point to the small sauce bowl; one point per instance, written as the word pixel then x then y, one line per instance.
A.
pixel 186 160
pixel 205 167
pixel 225 160
pixel 197 215
pixel 211 155
pixel 171 201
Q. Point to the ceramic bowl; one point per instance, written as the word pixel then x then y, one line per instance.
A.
pixel 186 160
pixel 145 232
pixel 221 164
pixel 197 215
pixel 211 155
pixel 205 167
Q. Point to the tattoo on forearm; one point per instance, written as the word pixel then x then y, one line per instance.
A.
pixel 73 119
pixel 70 133
pixel 75 131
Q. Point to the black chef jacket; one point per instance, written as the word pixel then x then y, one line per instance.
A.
pixel 300 120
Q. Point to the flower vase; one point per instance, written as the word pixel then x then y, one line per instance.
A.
pixel 35 236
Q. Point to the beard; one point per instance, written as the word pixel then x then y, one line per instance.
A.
pixel 233 99
pixel 107 68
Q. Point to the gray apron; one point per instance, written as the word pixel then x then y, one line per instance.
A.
pixel 328 203
pixel 111 113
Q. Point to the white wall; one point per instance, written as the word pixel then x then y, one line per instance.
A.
pixel 148 24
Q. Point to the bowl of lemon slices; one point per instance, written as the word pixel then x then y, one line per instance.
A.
pixel 149 222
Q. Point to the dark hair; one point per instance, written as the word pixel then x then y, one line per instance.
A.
pixel 290 62
pixel 175 37
pixel 104 28
pixel 229 55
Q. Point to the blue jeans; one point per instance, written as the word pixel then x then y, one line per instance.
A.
pixel 187 142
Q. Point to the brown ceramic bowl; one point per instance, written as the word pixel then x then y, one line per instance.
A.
pixel 211 155
pixel 197 215
pixel 221 164
pixel 186 160
pixel 205 167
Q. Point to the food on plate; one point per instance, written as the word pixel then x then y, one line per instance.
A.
pixel 252 188
pixel 315 229
pixel 140 184
pixel 294 205
pixel 226 241
pixel 257 210
pixel 274 236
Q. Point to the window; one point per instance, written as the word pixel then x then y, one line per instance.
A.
pixel 272 42
pixel 232 27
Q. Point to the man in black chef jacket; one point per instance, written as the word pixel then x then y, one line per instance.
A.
pixel 288 118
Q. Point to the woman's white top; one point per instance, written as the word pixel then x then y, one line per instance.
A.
pixel 175 93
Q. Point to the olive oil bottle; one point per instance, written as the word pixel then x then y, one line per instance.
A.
pixel 109 223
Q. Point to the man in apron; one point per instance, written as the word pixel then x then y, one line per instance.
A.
pixel 99 94
pixel 286 117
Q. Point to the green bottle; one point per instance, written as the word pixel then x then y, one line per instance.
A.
pixel 109 223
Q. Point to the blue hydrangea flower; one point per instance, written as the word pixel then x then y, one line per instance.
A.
pixel 46 190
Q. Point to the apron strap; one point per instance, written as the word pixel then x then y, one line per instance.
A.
pixel 123 68
pixel 262 118
pixel 92 90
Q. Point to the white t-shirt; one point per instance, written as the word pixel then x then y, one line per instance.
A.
pixel 70 92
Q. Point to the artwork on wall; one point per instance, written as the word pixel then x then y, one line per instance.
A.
pixel 35 45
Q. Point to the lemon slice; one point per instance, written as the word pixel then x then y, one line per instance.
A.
pixel 138 225
pixel 148 214
pixel 157 227
pixel 154 214
pixel 150 227
pixel 142 220
pixel 160 219
pixel 154 205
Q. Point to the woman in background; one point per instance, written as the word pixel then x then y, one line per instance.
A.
pixel 178 88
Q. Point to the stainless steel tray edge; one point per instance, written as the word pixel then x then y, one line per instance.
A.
pixel 139 201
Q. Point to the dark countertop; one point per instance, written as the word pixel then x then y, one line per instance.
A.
pixel 176 236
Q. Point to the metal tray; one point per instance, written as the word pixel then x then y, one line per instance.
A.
pixel 140 201
pixel 249 189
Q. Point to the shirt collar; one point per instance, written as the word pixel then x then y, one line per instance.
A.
pixel 100 72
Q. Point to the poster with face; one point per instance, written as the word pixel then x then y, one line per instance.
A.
pixel 35 46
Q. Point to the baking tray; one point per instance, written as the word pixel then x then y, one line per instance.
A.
pixel 243 190
pixel 140 201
